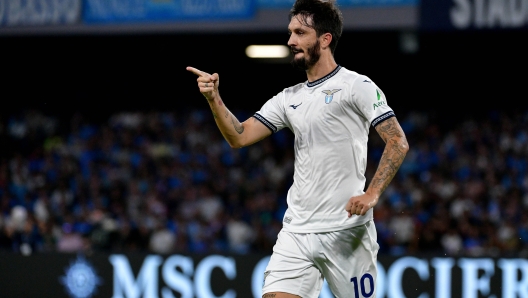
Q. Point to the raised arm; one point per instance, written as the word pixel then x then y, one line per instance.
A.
pixel 236 134
pixel 396 148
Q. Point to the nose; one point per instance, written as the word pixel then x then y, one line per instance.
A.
pixel 291 41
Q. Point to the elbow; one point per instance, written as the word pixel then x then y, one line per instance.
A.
pixel 404 145
pixel 235 144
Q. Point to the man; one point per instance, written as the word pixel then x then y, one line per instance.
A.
pixel 328 230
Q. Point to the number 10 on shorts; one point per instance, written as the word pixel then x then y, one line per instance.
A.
pixel 366 284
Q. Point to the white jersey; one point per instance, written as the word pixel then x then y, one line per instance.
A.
pixel 330 119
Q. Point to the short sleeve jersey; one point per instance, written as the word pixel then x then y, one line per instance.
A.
pixel 330 119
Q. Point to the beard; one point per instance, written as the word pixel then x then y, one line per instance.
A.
pixel 313 53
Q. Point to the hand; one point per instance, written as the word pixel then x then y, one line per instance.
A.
pixel 207 83
pixel 359 205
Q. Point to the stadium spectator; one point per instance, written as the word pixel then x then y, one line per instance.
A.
pixel 78 185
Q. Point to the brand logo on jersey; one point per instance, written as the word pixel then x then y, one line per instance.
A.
pixel 380 102
pixel 295 106
pixel 366 81
pixel 287 219
pixel 330 95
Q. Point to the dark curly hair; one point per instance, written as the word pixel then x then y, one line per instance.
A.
pixel 326 17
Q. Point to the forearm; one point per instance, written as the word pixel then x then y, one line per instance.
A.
pixel 390 162
pixel 229 125
pixel 236 134
pixel 396 147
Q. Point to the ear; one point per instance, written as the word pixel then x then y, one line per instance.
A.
pixel 326 39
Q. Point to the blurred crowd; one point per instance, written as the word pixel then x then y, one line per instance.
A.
pixel 166 182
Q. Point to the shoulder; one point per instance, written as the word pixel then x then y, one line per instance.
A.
pixel 357 83
pixel 355 79
pixel 360 84
pixel 349 75
pixel 288 93
pixel 282 98
pixel 293 89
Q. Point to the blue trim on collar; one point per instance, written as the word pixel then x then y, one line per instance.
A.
pixel 323 79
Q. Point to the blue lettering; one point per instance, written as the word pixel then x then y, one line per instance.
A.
pixel 362 285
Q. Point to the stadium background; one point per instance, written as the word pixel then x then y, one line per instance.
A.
pixel 459 92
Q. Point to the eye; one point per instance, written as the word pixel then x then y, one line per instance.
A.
pixel 299 32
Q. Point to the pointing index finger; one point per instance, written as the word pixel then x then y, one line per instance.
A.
pixel 196 71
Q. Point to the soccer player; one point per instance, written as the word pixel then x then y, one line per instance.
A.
pixel 328 230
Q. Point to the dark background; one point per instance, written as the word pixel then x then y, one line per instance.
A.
pixel 453 73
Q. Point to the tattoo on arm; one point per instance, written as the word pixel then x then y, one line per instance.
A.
pixel 237 125
pixel 213 109
pixel 268 296
pixel 395 150
pixel 239 128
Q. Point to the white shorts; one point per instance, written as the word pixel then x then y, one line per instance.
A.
pixel 346 259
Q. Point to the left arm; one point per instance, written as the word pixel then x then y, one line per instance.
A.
pixel 396 147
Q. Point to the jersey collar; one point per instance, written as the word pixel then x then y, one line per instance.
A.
pixel 323 79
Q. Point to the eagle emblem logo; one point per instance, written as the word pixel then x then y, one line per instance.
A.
pixel 330 95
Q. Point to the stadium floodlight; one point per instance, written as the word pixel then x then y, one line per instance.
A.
pixel 267 51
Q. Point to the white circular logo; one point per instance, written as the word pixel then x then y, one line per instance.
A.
pixel 81 280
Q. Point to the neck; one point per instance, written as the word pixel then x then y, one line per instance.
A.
pixel 324 66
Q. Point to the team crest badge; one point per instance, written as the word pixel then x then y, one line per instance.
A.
pixel 330 95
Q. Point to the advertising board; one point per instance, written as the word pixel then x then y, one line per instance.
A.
pixel 118 11
pixel 341 3
pixel 39 12
pixel 20 17
pixel 230 276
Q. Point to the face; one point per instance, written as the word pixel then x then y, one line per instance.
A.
pixel 303 43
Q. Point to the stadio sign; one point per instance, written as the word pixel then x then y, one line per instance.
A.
pixel 473 14
pixel 401 277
